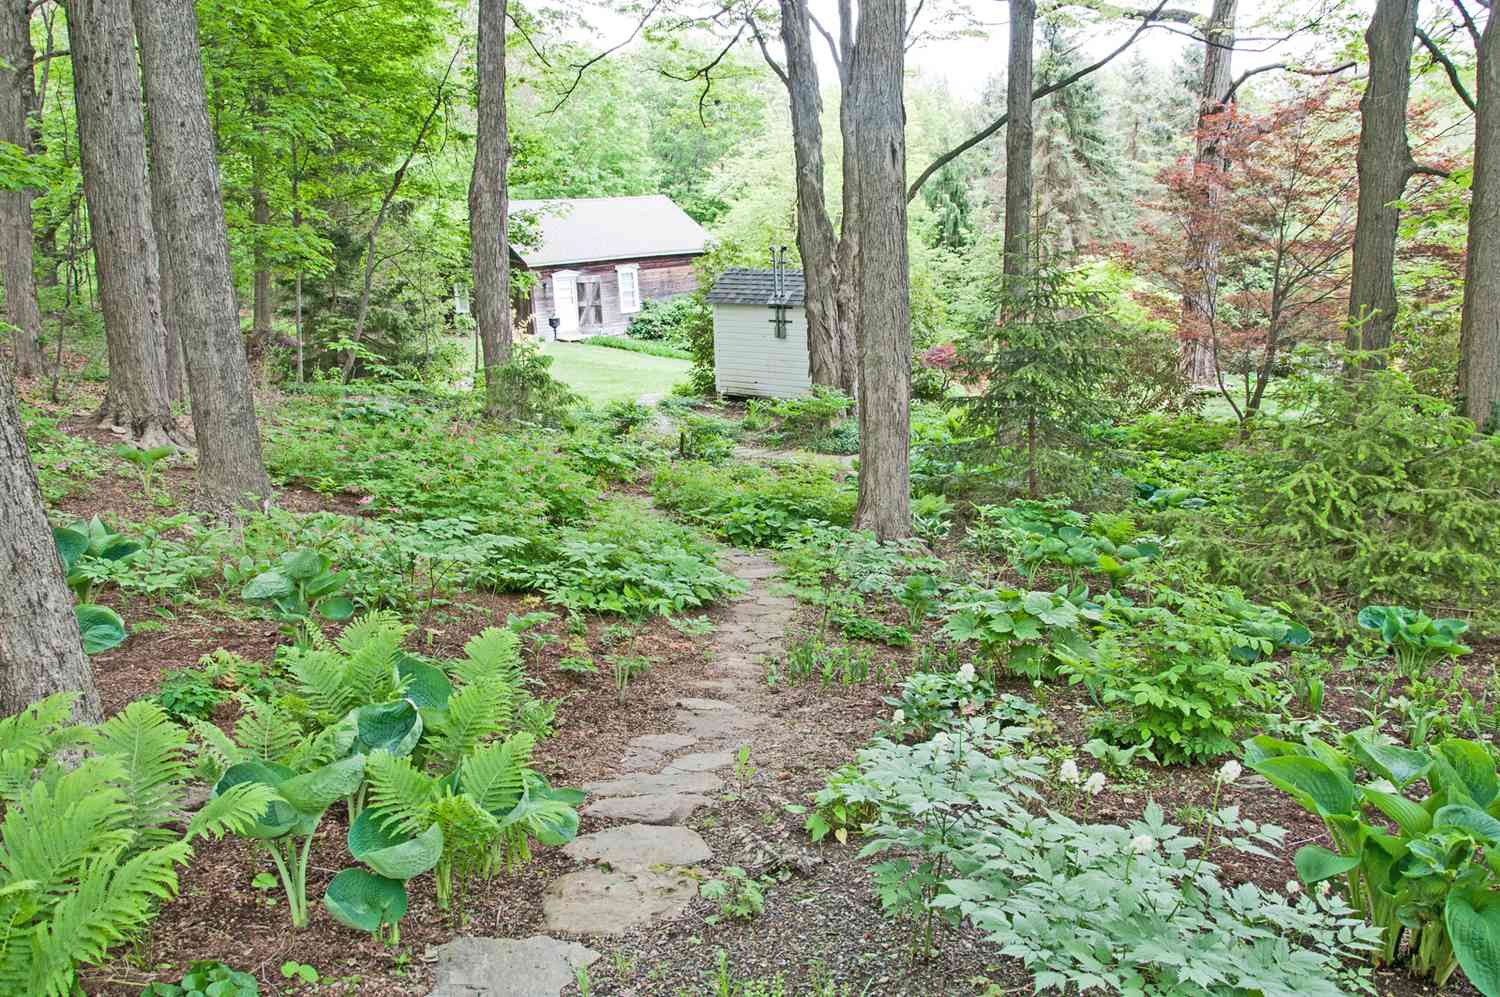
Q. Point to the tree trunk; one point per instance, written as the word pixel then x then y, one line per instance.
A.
pixel 261 319
pixel 1479 364
pixel 883 277
pixel 1384 162
pixel 41 651
pixel 1019 138
pixel 1199 359
pixel 489 207
pixel 198 284
pixel 16 87
pixel 112 149
pixel 816 243
pixel 847 264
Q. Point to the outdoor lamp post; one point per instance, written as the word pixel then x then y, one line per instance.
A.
pixel 554 322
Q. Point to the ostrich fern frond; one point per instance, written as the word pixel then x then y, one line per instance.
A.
pixel 154 754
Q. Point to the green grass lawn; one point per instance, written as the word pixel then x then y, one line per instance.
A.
pixel 604 375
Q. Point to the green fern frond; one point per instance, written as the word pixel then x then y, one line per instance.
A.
pixel 153 751
pixel 469 830
pixel 370 672
pixel 320 675
pixel 216 748
pixel 399 792
pixel 475 713
pixel 314 751
pixel 264 730
pixel 495 775
pixel 493 653
pixel 379 626
pixel 233 811
pixel 51 832
pixel 34 730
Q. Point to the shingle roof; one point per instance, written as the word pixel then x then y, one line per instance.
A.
pixel 756 287
pixel 585 229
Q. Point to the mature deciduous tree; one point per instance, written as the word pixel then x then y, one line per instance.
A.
pixel 883 280
pixel 16 85
pixel 198 286
pixel 1479 339
pixel 112 145
pixel 489 205
pixel 1385 164
pixel 1019 137
pixel 41 651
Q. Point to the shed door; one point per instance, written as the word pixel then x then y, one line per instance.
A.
pixel 565 302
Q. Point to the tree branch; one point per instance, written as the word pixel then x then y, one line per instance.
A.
pixel 1299 70
pixel 1441 58
pixel 586 66
pixel 770 60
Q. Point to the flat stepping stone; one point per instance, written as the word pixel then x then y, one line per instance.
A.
pixel 702 761
pixel 640 846
pixel 596 902
pixel 641 759
pixel 507 967
pixel 650 783
pixel 695 703
pixel 656 808
pixel 663 742
pixel 712 724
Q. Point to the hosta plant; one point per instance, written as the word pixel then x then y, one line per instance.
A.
pixel 1415 841
pixel 88 549
pixel 301 586
pixel 373 898
pixel 1416 640
pixel 1020 630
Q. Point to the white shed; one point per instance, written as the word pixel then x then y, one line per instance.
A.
pixel 760 338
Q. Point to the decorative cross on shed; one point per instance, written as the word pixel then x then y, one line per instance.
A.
pixel 747 362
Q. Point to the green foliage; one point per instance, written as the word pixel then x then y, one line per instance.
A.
pixel 739 896
pixel 868 628
pixel 207 978
pixel 626 669
pixel 670 322
pixel 529 391
pixel 145 462
pixel 1035 534
pixel 65 463
pixel 650 349
pixel 1413 863
pixel 751 506
pixel 810 659
pixel 301 585
pixel 87 549
pixel 1416 639
pixel 843 805
pixel 932 702
pixel 1018 630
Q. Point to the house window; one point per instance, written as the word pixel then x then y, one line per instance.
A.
pixel 590 303
pixel 629 276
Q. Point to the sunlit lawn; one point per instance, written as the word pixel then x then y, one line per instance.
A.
pixel 605 375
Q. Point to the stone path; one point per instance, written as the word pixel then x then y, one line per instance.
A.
pixel 634 870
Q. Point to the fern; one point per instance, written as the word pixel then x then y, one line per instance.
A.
pixel 399 792
pixel 52 832
pixel 35 730
pixel 475 713
pixel 153 752
pixel 494 653
pixel 495 775
pixel 234 811
pixel 264 731
pixel 357 669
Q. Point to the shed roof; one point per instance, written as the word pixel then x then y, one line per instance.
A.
pixel 586 229
pixel 756 287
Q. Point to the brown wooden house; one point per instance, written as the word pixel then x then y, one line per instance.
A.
pixel 597 258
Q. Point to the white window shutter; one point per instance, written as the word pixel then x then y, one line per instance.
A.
pixel 630 288
pixel 565 300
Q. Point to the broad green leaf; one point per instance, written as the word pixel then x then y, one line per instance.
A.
pixel 100 627
pixel 1412 818
pixel 340 607
pixel 393 727
pixel 1315 863
pixel 1391 761
pixel 300 565
pixel 390 853
pixel 313 792
pixel 426 686
pixel 1476 822
pixel 71 545
pixel 1311 782
pixel 268 585
pixel 364 901
pixel 280 816
pixel 1473 922
pixel 1471 764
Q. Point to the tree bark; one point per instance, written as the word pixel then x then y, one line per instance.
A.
pixel 883 277
pixel 1384 163
pixel 41 651
pixel 1019 138
pixel 489 207
pixel 17 85
pixel 198 283
pixel 1199 358
pixel 816 243
pixel 112 147
pixel 1479 364
pixel 261 318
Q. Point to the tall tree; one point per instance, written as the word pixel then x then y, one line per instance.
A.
pixel 197 283
pixel 17 83
pixel 883 276
pixel 1199 362
pixel 1479 338
pixel 816 242
pixel 489 206
pixel 1019 137
pixel 41 651
pixel 112 146
pixel 1385 164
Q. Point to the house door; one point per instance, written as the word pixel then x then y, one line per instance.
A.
pixel 590 305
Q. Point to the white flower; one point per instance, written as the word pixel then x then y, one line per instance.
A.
pixel 898 718
pixel 1095 784
pixel 1229 771
pixel 1068 772
pixel 965 674
pixel 1143 844
pixel 1293 887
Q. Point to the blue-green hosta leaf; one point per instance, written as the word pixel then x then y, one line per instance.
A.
pixel 71 545
pixel 1315 863
pixel 271 584
pixel 1473 922
pixel 1412 818
pixel 300 565
pixel 313 792
pixel 393 727
pixel 1474 822
pixel 389 852
pixel 1263 746
pixel 1310 782
pixel 1468 767
pixel 339 607
pixel 364 901
pixel 1400 765
pixel 426 686
pixel 280 816
pixel 100 626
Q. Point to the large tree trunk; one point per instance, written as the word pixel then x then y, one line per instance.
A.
pixel 261 317
pixel 489 207
pixel 112 148
pixel 1384 162
pixel 847 264
pixel 816 243
pixel 17 84
pixel 1019 138
pixel 197 282
pixel 41 651
pixel 1198 299
pixel 1479 365
pixel 883 278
